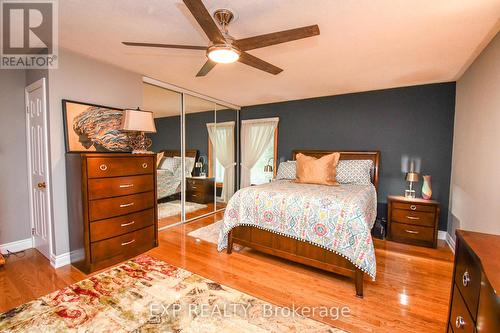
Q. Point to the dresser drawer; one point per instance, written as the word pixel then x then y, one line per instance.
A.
pixel 460 319
pixel 468 278
pixel 116 226
pixel 111 207
pixel 98 167
pixel 413 217
pixel 112 187
pixel 412 234
pixel 413 207
pixel 125 245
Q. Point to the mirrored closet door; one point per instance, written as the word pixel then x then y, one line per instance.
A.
pixel 167 109
pixel 201 135
pixel 200 183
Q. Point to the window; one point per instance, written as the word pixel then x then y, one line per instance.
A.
pixel 257 174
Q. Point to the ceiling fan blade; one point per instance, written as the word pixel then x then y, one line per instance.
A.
pixel 274 38
pixel 202 16
pixel 207 67
pixel 255 62
pixel 168 46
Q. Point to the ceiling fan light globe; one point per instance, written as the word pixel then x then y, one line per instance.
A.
pixel 223 54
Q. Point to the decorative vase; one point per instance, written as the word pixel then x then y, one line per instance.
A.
pixel 427 188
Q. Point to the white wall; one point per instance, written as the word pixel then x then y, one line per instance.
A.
pixel 82 79
pixel 475 181
pixel 14 200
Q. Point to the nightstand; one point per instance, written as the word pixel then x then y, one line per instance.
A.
pixel 412 220
pixel 200 190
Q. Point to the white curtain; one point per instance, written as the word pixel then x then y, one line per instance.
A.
pixel 256 134
pixel 222 138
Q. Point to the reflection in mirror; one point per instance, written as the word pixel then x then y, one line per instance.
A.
pixel 166 106
pixel 223 138
pixel 200 183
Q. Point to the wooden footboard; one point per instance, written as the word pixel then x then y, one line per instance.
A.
pixel 295 250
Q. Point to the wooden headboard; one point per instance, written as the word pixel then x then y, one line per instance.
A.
pixel 348 155
pixel 173 153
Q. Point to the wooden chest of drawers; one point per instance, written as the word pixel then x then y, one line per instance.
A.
pixel 112 209
pixel 475 303
pixel 412 221
pixel 200 190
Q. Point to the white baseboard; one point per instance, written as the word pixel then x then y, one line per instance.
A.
pixel 60 260
pixel 17 246
pixel 449 240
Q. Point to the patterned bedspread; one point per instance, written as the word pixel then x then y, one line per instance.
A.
pixel 337 218
pixel 168 183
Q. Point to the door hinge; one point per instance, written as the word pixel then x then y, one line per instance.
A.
pixel 32 231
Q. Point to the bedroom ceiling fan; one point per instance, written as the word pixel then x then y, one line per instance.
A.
pixel 224 48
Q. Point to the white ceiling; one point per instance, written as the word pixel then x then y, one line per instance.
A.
pixel 364 44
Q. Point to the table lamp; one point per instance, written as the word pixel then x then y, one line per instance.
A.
pixel 141 122
pixel 411 177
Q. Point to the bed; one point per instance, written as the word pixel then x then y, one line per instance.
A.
pixel 168 182
pixel 327 227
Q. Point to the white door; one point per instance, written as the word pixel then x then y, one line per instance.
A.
pixel 38 166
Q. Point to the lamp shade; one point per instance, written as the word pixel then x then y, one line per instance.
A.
pixel 138 121
pixel 412 177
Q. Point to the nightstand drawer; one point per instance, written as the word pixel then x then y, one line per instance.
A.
pixel 414 207
pixel 413 217
pixel 412 234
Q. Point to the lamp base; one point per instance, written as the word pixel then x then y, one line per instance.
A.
pixel 410 194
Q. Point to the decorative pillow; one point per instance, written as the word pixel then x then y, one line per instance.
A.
pixel 190 161
pixel 287 170
pixel 354 172
pixel 322 171
pixel 159 158
pixel 170 163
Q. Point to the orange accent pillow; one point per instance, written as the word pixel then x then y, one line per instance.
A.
pixel 322 171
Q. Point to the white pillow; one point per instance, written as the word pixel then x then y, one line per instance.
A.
pixel 170 163
pixel 188 166
pixel 287 170
pixel 354 172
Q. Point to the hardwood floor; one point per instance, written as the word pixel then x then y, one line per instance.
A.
pixel 164 222
pixel 411 292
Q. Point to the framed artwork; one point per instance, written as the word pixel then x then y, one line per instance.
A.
pixel 93 128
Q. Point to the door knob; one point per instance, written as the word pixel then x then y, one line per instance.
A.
pixel 41 185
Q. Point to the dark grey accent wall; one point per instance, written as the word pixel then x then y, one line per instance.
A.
pixel 168 130
pixel 415 121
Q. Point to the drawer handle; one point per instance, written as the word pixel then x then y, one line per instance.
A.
pixel 194 195
pixel 103 167
pixel 144 165
pixel 127 224
pixel 459 322
pixel 126 205
pixel 413 218
pixel 126 185
pixel 466 279
pixel 194 187
pixel 412 232
pixel 413 207
pixel 127 243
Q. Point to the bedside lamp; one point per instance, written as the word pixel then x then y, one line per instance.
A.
pixel 269 167
pixel 142 122
pixel 200 164
pixel 411 177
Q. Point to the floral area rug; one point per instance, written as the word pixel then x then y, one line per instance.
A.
pixel 148 295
